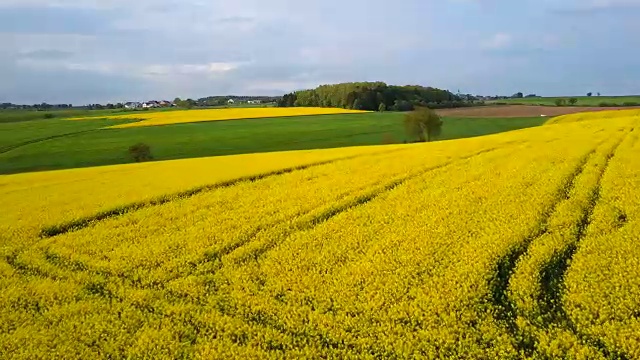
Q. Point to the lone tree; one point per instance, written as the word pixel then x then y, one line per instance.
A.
pixel 589 94
pixel 140 152
pixel 573 101
pixel 561 102
pixel 423 124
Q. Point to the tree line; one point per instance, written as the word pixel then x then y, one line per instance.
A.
pixel 43 106
pixel 375 96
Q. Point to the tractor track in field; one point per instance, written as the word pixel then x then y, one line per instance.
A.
pixel 322 214
pixel 505 309
pixel 84 222
pixel 260 318
pixel 553 272
pixel 6 149
pixel 332 211
pixel 306 220
pixel 309 220
pixel 553 290
pixel 88 221
pixel 306 336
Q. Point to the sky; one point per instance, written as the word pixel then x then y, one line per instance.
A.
pixel 98 51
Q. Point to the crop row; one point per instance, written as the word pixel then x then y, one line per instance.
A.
pixel 536 286
pixel 603 282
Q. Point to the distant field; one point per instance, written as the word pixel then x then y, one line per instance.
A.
pixel 10 116
pixel 600 115
pixel 93 145
pixel 7 116
pixel 206 115
pixel 511 111
pixel 582 100
pixel 21 133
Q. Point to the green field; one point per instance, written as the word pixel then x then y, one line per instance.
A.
pixel 61 144
pixel 10 116
pixel 582 101
pixel 18 134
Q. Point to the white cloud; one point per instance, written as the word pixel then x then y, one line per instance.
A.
pixel 550 41
pixel 130 70
pixel 13 43
pixel 498 41
pixel 605 4
pixel 60 3
pixel 187 69
pixel 85 4
pixel 591 6
pixel 58 65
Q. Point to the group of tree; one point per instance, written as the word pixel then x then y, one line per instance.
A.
pixel 564 102
pixel 521 95
pixel 224 100
pixel 423 125
pixel 374 96
pixel 215 101
pixel 108 106
pixel 187 104
pixel 42 106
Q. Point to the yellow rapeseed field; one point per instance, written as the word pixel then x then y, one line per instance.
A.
pixel 85 192
pixel 516 245
pixel 191 116
pixel 598 115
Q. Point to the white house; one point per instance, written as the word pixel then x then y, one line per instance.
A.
pixel 151 104
pixel 231 101
pixel 255 102
pixel 132 105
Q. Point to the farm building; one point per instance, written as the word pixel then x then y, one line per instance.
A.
pixel 132 105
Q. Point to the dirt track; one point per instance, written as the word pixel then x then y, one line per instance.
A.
pixel 522 110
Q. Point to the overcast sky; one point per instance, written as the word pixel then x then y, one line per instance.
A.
pixel 82 51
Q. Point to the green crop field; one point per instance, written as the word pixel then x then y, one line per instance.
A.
pixel 582 100
pixel 11 116
pixel 59 144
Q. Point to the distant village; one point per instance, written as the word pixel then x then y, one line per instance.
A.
pixel 148 105
pixel 165 103
pixel 212 101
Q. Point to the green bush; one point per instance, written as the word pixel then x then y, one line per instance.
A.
pixel 49 116
pixel 140 152
pixel 423 124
